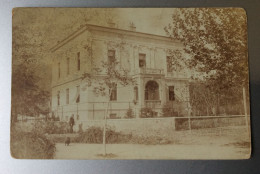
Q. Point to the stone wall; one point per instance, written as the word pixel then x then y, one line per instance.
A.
pixel 162 126
pixel 139 126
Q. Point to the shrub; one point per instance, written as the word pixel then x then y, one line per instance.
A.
pixel 60 138
pixel 95 135
pixel 181 123
pixel 168 111
pixel 31 145
pixel 91 135
pixel 129 113
pixel 51 127
pixel 147 113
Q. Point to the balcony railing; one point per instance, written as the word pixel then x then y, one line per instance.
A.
pixel 149 71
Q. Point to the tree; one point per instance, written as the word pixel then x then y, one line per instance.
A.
pixel 28 98
pixel 34 31
pixel 203 98
pixel 105 79
pixel 215 40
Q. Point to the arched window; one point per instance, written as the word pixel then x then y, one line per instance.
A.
pixel 152 91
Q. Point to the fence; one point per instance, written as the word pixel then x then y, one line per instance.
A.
pixel 159 125
pixel 97 110
pixel 165 125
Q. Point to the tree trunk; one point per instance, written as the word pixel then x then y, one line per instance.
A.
pixel 105 125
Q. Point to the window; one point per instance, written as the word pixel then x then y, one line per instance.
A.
pixel 67 96
pixel 78 94
pixel 111 56
pixel 136 93
pixel 113 94
pixel 59 70
pixel 152 90
pixel 68 66
pixel 78 61
pixel 171 93
pixel 58 98
pixel 169 63
pixel 142 62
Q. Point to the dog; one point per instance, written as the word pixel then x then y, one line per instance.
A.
pixel 67 141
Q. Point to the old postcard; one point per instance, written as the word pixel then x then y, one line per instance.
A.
pixel 130 83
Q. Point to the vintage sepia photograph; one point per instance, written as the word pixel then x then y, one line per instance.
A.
pixel 130 83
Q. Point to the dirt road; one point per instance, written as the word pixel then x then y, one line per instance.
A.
pixel 214 143
pixel 134 151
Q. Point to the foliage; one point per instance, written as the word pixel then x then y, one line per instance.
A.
pixel 106 78
pixel 168 110
pixel 31 145
pixel 205 99
pixel 28 98
pixel 34 30
pixel 129 113
pixel 51 127
pixel 147 113
pixel 216 41
pixel 95 135
pixel 201 123
pixel 111 76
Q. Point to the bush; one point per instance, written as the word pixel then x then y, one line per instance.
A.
pixel 168 111
pixel 129 113
pixel 51 127
pixel 181 123
pixel 95 135
pixel 60 138
pixel 31 145
pixel 147 113
pixel 91 135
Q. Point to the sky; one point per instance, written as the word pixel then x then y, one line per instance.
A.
pixel 49 25
pixel 36 30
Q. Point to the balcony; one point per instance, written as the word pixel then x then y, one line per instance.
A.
pixel 149 71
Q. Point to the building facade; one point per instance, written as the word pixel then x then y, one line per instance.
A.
pixel 146 58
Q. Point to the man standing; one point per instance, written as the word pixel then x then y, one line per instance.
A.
pixel 71 123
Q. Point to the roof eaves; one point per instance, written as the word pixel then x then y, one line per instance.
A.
pixel 69 38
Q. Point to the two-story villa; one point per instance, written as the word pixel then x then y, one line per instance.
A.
pixel 145 56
